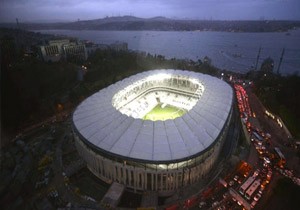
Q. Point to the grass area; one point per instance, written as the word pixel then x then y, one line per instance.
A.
pixel 164 113
pixel 290 120
pixel 130 200
pixel 89 185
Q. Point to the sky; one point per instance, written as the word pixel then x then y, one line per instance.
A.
pixel 72 10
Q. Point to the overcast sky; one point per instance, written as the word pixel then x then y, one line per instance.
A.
pixel 71 10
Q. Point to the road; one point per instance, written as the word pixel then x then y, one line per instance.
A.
pixel 279 136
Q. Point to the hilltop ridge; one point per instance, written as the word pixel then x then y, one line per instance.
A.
pixel 122 23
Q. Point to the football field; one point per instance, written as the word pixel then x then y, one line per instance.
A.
pixel 164 113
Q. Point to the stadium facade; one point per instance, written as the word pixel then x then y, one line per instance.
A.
pixel 119 145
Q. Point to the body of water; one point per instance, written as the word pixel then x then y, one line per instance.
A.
pixel 232 51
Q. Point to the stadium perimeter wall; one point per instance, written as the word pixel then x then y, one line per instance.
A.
pixel 140 176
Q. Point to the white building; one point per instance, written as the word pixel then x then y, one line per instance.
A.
pixel 91 48
pixel 75 51
pixel 63 49
pixel 118 46
pixel 144 155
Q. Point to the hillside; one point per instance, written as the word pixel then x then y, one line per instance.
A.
pixel 164 24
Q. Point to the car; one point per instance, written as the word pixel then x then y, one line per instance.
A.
pixel 267 160
pixel 257 197
pixel 216 203
pixel 263 186
pixel 264 183
pixel 236 177
pixel 239 202
pixel 240 181
pixel 202 204
pixel 246 174
pixel 269 175
pixel 222 208
pixel 256 173
pixel 260 191
pixel 231 183
pixel 225 195
pixel 259 143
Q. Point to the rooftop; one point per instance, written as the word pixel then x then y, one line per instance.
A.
pixel 107 130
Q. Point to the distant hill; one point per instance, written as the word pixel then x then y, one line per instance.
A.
pixel 164 24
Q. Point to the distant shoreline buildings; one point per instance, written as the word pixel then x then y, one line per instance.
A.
pixel 118 46
pixel 69 50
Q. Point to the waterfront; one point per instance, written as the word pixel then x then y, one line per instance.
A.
pixel 232 51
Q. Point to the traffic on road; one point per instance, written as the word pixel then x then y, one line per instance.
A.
pixel 249 183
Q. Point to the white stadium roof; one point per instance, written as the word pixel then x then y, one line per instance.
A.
pixel 107 130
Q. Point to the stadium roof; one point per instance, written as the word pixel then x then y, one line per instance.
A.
pixel 109 131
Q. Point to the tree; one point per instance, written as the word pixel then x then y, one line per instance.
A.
pixel 267 65
pixel 207 60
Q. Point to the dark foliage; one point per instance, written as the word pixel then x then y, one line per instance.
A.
pixel 31 89
pixel 281 95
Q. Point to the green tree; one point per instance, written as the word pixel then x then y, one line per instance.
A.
pixel 267 65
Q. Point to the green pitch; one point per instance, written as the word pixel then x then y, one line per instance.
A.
pixel 166 113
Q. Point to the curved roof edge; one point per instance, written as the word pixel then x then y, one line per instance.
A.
pixel 104 129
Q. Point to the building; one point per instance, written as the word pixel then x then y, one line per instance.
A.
pixel 75 52
pixel 91 47
pixel 63 49
pixel 59 43
pixel 119 46
pixel 50 53
pixel 120 145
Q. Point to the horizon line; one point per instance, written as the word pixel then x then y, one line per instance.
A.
pixel 45 21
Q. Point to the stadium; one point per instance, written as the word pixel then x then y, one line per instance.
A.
pixel 158 130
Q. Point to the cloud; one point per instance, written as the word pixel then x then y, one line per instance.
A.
pixel 28 10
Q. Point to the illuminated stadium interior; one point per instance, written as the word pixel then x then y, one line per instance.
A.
pixel 159 97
